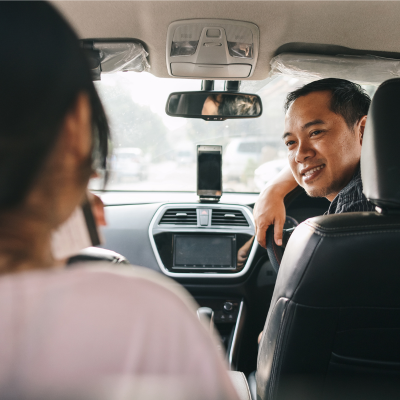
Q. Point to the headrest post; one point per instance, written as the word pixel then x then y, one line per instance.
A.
pixel 387 211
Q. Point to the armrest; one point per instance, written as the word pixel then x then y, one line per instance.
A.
pixel 240 384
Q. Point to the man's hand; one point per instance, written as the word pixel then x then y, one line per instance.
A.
pixel 270 208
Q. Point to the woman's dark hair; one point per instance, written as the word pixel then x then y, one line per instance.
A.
pixel 238 105
pixel 348 99
pixel 42 72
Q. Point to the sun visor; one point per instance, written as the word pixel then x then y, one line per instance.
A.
pixel 367 70
pixel 212 49
pixel 115 56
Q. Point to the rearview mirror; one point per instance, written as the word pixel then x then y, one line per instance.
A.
pixel 213 106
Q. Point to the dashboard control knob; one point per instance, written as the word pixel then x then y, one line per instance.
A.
pixel 228 306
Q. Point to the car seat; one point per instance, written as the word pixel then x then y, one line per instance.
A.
pixel 333 328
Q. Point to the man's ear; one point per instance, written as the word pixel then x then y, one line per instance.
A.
pixel 361 127
pixel 76 129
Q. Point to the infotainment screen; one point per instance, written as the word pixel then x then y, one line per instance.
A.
pixel 204 251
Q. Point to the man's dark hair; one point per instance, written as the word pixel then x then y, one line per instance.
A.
pixel 42 72
pixel 348 99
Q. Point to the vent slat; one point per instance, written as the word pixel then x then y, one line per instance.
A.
pixel 179 216
pixel 223 221
pixel 228 218
pixel 183 218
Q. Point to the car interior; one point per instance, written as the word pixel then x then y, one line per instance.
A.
pixel 331 316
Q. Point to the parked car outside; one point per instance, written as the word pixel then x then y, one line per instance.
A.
pixel 184 157
pixel 267 171
pixel 243 155
pixel 128 163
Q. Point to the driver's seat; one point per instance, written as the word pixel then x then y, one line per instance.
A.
pixel 333 329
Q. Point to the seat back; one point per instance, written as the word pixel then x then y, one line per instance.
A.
pixel 334 326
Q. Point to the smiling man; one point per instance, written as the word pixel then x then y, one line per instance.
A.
pixel 324 127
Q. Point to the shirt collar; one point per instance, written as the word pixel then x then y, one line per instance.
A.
pixel 355 181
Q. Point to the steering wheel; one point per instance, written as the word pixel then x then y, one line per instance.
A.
pixel 275 252
pixel 91 254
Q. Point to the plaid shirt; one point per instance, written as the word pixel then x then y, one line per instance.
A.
pixel 351 198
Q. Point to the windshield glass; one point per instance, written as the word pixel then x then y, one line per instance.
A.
pixel 154 152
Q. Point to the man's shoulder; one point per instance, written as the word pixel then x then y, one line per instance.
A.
pixel 351 198
pixel 355 206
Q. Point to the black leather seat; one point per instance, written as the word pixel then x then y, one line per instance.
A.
pixel 333 329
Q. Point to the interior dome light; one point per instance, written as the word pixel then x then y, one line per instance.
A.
pixel 183 48
pixel 240 50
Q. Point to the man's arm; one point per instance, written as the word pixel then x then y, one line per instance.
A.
pixel 270 209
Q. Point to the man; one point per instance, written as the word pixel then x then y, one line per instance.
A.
pixel 324 127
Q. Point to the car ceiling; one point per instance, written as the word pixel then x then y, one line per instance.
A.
pixel 323 27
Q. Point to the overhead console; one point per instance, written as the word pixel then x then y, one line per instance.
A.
pixel 203 240
pixel 212 49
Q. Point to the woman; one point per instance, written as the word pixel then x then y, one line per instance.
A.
pixel 76 329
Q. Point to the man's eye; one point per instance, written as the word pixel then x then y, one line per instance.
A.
pixel 315 133
pixel 289 143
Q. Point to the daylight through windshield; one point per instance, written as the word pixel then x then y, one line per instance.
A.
pixel 152 151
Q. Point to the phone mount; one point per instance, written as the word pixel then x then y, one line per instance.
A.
pixel 209 199
pixel 209 173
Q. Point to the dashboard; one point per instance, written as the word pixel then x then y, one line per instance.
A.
pixel 209 249
pixel 136 230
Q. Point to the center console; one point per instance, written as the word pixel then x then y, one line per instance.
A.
pixel 203 240
pixel 200 240
pixel 229 315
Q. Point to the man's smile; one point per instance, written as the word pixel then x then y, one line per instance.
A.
pixel 311 173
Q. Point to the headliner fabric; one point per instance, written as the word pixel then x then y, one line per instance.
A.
pixel 368 70
pixel 321 27
pixel 90 326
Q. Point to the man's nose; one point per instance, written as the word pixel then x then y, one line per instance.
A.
pixel 304 152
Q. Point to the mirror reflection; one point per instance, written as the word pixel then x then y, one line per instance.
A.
pixel 243 253
pixel 222 104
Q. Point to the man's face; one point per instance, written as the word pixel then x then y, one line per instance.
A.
pixel 323 151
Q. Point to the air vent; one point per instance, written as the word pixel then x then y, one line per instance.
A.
pixel 228 217
pixel 176 216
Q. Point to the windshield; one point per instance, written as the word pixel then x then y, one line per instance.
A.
pixel 154 152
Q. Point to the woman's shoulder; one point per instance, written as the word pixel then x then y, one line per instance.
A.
pixel 96 279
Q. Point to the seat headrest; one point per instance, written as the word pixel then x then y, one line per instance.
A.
pixel 380 155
